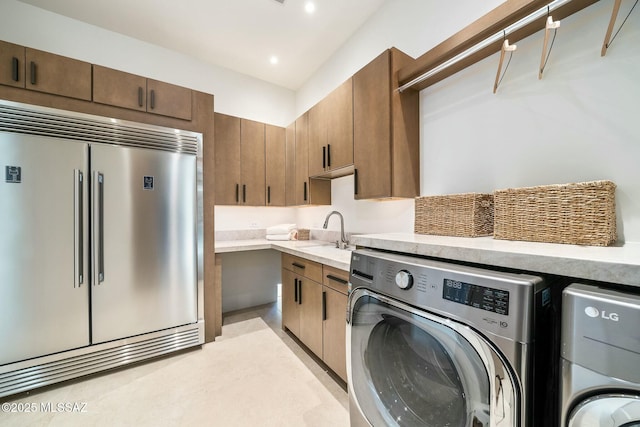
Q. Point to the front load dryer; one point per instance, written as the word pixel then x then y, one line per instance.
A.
pixel 600 384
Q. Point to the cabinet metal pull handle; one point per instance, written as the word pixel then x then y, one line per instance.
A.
pixel 79 228
pixel 336 279
pixel 15 69
pixel 324 157
pixel 140 96
pixel 300 291
pixel 100 224
pixel 237 193
pixel 324 306
pixel 295 290
pixel 153 99
pixel 328 155
pixel 268 194
pixel 305 191
pixel 244 193
pixel 355 181
pixel 295 264
pixel 33 72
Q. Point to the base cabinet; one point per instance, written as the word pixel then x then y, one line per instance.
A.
pixel 334 324
pixel 314 304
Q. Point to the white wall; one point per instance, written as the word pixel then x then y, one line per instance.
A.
pixel 235 93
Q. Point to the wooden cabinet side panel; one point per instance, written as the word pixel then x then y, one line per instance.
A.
pixel 340 126
pixel 311 315
pixel 372 128
pixel 9 51
pixel 170 100
pixel 290 168
pixel 227 158
pixel 252 162
pixel 120 89
pixel 405 133
pixel 57 75
pixel 302 159
pixel 275 159
pixel 334 351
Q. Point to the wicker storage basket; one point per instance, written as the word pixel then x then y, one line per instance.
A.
pixel 303 234
pixel 463 215
pixel 580 213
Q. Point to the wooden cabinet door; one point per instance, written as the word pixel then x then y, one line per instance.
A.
pixel 334 351
pixel 372 129
pixel 290 306
pixel 302 161
pixel 57 75
pixel 339 127
pixel 318 138
pixel 290 168
pixel 227 159
pixel 252 163
pixel 12 71
pixel 168 100
pixel 275 159
pixel 120 89
pixel 310 301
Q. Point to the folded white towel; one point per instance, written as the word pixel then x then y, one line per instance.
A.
pixel 281 229
pixel 284 236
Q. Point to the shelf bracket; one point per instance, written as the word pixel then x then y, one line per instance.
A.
pixel 608 39
pixel 550 25
pixel 506 47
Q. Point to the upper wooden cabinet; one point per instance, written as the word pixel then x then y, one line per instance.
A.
pixel 120 89
pixel 386 127
pixel 290 165
pixel 12 70
pixel 252 163
pixel 240 161
pixel 306 190
pixel 45 72
pixel 275 160
pixel 227 159
pixel 331 133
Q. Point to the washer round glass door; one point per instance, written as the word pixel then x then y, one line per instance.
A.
pixel 411 368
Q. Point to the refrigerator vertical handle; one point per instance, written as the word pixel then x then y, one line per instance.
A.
pixel 78 221
pixel 99 234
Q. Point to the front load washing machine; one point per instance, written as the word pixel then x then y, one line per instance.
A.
pixel 600 384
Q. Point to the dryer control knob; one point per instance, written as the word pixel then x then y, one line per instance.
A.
pixel 404 279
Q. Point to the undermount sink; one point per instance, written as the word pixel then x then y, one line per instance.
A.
pixel 330 251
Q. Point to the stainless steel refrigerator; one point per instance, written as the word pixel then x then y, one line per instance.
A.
pixel 98 235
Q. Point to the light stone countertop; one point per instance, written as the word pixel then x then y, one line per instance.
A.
pixel 614 264
pixel 315 250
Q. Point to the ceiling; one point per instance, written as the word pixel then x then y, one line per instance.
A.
pixel 241 35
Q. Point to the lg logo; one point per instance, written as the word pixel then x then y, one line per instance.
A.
pixel 594 312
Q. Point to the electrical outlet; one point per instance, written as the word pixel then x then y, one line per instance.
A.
pixel 253 225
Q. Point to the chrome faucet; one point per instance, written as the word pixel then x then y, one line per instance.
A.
pixel 343 243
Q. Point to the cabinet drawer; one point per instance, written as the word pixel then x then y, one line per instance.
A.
pixel 303 267
pixel 335 279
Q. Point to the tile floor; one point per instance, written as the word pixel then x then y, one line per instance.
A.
pixel 255 374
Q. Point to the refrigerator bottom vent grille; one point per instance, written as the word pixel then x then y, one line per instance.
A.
pixel 74 367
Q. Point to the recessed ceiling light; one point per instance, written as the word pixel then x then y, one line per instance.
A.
pixel 273 60
pixel 310 7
